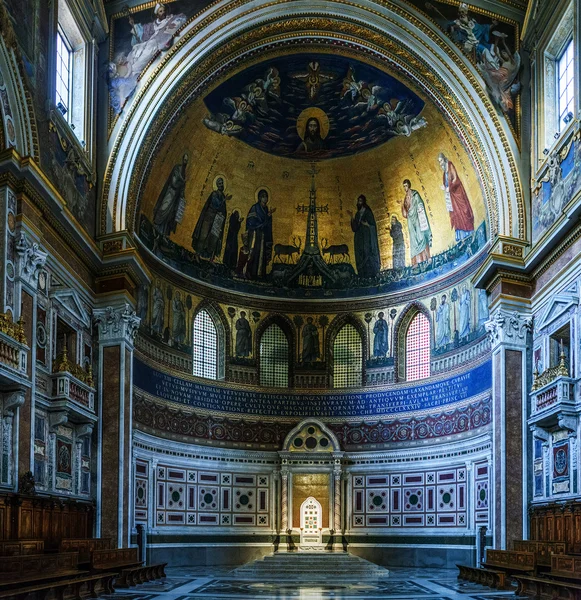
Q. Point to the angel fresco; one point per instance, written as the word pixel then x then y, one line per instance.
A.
pixel 500 68
pixel 241 110
pixel 398 120
pixel 147 41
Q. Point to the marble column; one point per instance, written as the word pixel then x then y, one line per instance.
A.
pixel 337 501
pixel 30 262
pixel 509 329
pixel 117 326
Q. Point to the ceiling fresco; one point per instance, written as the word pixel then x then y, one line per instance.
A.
pixel 490 41
pixel 357 207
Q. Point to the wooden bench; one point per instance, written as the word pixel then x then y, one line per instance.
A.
pixel 562 582
pixel 543 550
pixel 18 547
pixel 16 571
pixel 87 586
pixel 125 562
pixel 84 546
pixel 500 565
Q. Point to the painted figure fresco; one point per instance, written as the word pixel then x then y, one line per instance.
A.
pixel 500 68
pixel 147 41
pixel 483 313
pixel 170 206
pixel 443 331
pixel 487 42
pixel 398 244
pixel 178 319
pixel 311 350
pixel 457 203
pixel 464 312
pixel 243 336
pixel 366 245
pixel 343 107
pixel 230 258
pixel 380 331
pixel 420 233
pixel 142 302
pixel 259 230
pixel 157 309
pixel 209 231
pixel 559 184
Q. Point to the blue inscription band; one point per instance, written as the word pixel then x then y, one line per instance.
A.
pixel 331 405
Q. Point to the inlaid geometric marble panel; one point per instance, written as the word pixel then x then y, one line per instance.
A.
pixel 202 498
pixel 418 499
pixel 482 493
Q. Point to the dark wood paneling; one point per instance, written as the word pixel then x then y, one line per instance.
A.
pixel 556 522
pixel 49 518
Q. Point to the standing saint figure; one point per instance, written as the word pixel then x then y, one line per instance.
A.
pixel 157 309
pixel 178 319
pixel 483 313
pixel 243 336
pixel 398 244
pixel 366 245
pixel 457 203
pixel 380 330
pixel 230 258
pixel 310 342
pixel 465 307
pixel 259 230
pixel 414 210
pixel 443 333
pixel 169 208
pixel 209 231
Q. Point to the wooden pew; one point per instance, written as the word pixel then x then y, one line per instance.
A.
pixel 18 547
pixel 84 546
pixel 543 550
pixel 499 567
pixel 30 568
pixel 563 581
pixel 84 586
pixel 125 562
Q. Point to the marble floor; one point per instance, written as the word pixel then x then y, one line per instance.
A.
pixel 219 583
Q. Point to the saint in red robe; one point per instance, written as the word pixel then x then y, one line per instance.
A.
pixel 461 215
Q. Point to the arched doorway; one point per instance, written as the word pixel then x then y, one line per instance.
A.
pixel 311 523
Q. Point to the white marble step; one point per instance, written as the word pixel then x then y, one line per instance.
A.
pixel 315 566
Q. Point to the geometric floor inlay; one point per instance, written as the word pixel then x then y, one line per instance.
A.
pixel 218 583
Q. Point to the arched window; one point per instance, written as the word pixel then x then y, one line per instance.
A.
pixel 417 348
pixel 347 358
pixel 205 342
pixel 274 357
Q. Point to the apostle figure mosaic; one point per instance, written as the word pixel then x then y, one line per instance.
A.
pixel 307 111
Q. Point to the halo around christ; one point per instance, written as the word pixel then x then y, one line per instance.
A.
pixel 318 114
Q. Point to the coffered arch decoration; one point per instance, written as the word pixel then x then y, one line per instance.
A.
pixel 400 332
pixel 394 36
pixel 16 109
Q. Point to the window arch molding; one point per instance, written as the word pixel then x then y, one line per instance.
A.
pixel 222 333
pixel 287 328
pixel 400 333
pixel 334 327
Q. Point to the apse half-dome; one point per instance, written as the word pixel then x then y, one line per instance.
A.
pixel 313 175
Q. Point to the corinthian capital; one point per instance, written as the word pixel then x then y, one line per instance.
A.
pixel 117 323
pixel 506 327
pixel 31 260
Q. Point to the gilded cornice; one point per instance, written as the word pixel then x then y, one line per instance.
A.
pixel 319 28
